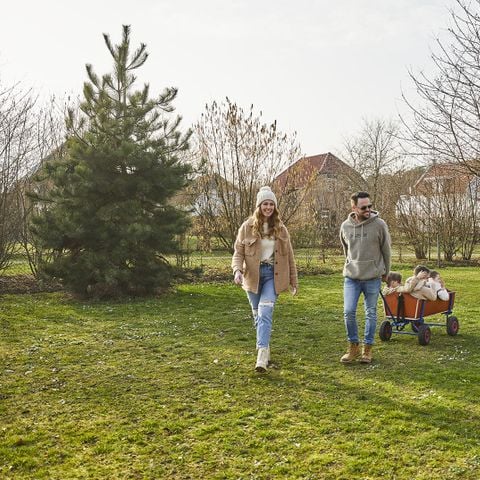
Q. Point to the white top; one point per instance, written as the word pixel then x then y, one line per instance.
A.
pixel 268 246
pixel 441 292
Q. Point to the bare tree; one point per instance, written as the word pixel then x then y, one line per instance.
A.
pixel 454 210
pixel 443 210
pixel 401 211
pixel 17 151
pixel 28 133
pixel 236 154
pixel 414 220
pixel 445 123
pixel 374 152
pixel 327 202
pixel 48 129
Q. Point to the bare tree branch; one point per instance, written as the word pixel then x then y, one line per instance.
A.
pixel 236 154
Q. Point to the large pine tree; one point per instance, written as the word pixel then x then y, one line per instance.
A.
pixel 108 216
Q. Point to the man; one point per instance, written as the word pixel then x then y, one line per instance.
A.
pixel 366 245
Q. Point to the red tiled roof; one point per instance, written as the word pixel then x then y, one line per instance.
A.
pixel 302 170
pixel 456 171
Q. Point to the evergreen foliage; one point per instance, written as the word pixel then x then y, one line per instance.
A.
pixel 108 215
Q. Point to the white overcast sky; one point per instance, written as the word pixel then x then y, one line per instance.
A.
pixel 317 67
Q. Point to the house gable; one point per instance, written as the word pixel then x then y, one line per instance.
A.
pixel 445 178
pixel 306 169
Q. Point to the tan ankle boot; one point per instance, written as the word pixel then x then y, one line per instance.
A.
pixel 262 360
pixel 366 354
pixel 352 353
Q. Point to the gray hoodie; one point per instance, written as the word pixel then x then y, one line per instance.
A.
pixel 366 246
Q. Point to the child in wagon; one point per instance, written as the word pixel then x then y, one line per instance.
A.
pixel 394 280
pixel 416 285
pixel 436 283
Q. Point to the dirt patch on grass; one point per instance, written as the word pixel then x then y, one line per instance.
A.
pixel 26 284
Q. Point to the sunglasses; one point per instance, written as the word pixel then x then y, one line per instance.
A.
pixel 369 206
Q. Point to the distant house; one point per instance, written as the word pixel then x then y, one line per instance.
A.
pixel 203 196
pixel 441 183
pixel 447 179
pixel 320 187
pixel 307 169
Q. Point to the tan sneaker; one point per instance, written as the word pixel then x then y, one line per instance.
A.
pixel 366 354
pixel 352 354
pixel 262 360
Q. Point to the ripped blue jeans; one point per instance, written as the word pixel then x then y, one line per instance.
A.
pixel 262 304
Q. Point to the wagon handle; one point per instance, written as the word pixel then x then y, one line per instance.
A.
pixel 401 308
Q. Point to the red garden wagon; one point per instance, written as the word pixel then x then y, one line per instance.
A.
pixel 402 309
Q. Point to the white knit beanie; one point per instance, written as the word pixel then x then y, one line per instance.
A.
pixel 265 193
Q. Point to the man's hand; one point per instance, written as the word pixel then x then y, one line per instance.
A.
pixel 294 291
pixel 238 277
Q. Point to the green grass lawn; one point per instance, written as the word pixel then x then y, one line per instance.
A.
pixel 165 389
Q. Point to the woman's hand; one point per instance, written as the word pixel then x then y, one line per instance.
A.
pixel 293 291
pixel 238 277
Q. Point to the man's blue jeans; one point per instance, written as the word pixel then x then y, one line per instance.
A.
pixel 351 294
pixel 262 304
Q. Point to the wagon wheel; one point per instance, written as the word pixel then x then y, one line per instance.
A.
pixel 416 325
pixel 452 325
pixel 385 332
pixel 424 334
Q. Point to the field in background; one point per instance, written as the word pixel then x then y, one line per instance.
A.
pixel 216 264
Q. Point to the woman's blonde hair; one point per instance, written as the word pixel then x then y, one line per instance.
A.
pixel 273 223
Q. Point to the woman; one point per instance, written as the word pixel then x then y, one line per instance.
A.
pixel 264 265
